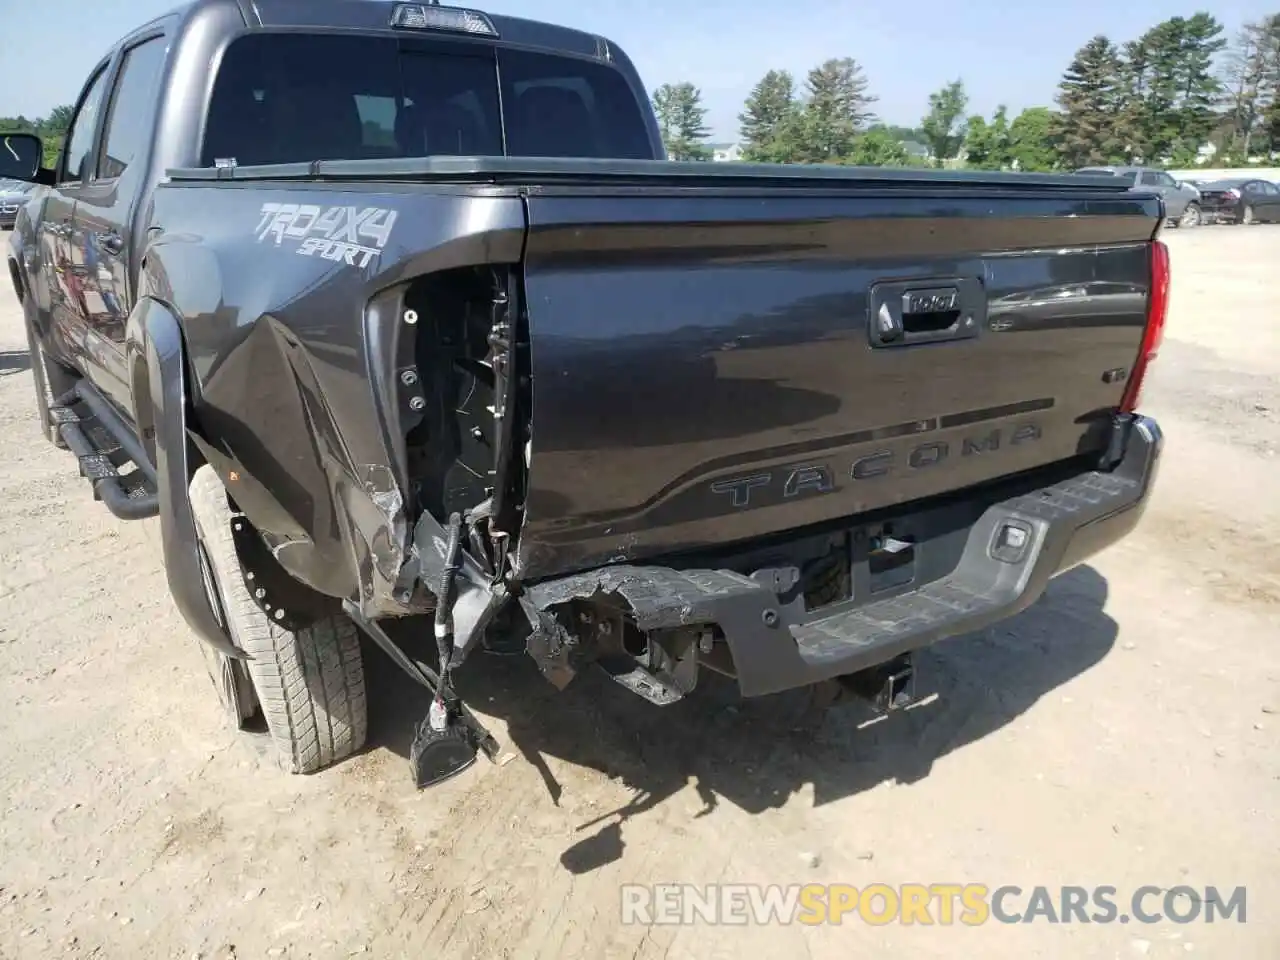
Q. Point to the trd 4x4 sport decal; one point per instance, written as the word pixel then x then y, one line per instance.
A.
pixel 353 235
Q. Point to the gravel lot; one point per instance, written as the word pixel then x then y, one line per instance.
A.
pixel 1121 732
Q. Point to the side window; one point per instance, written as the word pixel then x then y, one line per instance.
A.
pixel 131 113
pixel 80 134
pixel 1149 179
pixel 1167 181
pixel 1270 189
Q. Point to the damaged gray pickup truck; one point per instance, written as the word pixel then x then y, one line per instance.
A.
pixel 396 311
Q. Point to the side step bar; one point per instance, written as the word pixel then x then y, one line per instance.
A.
pixel 103 443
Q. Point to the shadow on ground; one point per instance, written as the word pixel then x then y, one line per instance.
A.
pixel 14 361
pixel 756 753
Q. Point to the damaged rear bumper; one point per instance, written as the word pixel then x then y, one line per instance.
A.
pixel 1010 554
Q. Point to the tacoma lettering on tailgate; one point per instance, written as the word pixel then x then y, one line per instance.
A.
pixel 822 477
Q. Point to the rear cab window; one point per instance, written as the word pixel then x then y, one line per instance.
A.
pixel 397 98
pixel 565 107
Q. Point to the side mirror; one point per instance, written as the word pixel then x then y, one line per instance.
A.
pixel 20 156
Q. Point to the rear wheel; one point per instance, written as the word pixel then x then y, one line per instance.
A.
pixel 230 677
pixel 308 683
pixel 1247 215
pixel 1190 216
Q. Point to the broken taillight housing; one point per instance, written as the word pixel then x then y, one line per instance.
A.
pixel 1153 332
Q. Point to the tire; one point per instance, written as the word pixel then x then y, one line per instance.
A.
pixel 1190 216
pixel 309 683
pixel 1246 215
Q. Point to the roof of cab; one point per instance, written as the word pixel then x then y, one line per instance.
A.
pixel 368 15
pixel 376 15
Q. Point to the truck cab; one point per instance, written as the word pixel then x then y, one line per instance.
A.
pixel 152 104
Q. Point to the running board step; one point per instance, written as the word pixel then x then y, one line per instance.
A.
pixel 103 443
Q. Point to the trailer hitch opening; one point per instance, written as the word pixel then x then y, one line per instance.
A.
pixel 888 687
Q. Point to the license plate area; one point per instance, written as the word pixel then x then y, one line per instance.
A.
pixel 906 552
pixel 891 560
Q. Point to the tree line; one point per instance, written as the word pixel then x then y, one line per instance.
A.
pixel 51 129
pixel 1156 100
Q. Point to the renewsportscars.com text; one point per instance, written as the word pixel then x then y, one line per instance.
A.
pixel 970 904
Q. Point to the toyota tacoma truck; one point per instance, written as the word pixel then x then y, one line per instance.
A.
pixel 397 312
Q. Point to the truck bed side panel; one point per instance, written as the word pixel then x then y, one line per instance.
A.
pixel 287 355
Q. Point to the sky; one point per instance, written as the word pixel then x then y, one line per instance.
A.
pixel 1005 51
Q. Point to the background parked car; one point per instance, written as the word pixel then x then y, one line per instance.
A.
pixel 13 195
pixel 1241 200
pixel 1181 200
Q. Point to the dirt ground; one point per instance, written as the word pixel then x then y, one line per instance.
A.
pixel 1121 732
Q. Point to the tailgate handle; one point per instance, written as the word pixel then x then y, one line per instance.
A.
pixel 925 311
pixel 930 310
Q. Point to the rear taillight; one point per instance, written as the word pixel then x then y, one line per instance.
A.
pixel 1153 332
pixel 1233 193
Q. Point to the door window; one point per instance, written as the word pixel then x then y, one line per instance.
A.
pixel 131 113
pixel 83 127
pixel 1270 189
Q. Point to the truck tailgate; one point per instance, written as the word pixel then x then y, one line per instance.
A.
pixel 714 365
